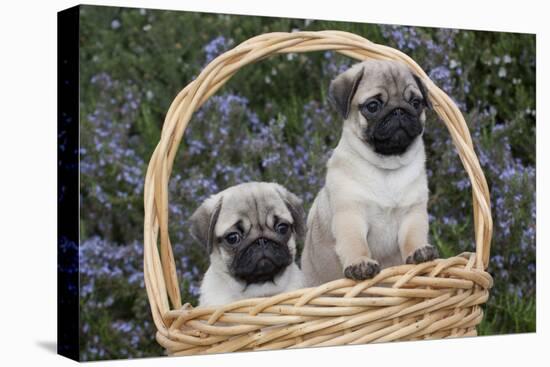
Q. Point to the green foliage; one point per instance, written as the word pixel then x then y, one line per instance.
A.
pixel 509 314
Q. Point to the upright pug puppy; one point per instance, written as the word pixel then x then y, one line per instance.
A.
pixel 250 231
pixel 372 211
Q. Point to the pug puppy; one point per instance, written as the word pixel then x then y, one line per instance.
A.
pixel 250 231
pixel 372 211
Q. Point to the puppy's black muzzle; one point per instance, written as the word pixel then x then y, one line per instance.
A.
pixel 261 261
pixel 393 134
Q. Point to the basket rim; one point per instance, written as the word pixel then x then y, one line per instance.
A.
pixel 317 315
pixel 159 266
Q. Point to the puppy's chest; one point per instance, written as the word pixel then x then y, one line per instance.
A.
pixel 384 222
pixel 383 228
pixel 386 200
pixel 392 191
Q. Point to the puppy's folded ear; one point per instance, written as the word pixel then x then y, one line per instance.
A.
pixel 423 91
pixel 204 220
pixel 343 88
pixel 294 205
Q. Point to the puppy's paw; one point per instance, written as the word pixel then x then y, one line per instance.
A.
pixel 423 254
pixel 364 269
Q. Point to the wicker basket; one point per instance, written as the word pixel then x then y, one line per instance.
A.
pixel 437 299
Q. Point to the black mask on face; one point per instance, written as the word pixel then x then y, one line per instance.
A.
pixel 261 261
pixel 394 132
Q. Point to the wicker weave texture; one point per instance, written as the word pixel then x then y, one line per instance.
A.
pixel 437 299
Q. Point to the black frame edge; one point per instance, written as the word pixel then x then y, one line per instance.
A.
pixel 68 183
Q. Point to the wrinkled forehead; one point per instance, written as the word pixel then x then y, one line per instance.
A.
pixel 389 79
pixel 251 206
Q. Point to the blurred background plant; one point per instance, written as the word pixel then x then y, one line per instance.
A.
pixel 272 122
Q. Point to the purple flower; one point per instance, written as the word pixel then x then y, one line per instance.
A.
pixel 216 47
pixel 115 24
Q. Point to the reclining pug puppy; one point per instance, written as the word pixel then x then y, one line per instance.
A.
pixel 372 211
pixel 250 231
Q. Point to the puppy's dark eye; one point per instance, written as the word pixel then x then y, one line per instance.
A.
pixel 372 106
pixel 233 238
pixel 282 228
pixel 416 103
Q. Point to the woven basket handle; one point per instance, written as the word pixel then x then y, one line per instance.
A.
pixel 159 266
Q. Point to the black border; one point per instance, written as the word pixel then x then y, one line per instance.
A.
pixel 68 182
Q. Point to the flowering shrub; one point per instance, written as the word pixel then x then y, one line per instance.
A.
pixel 272 122
pixel 216 47
pixel 111 171
pixel 113 324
